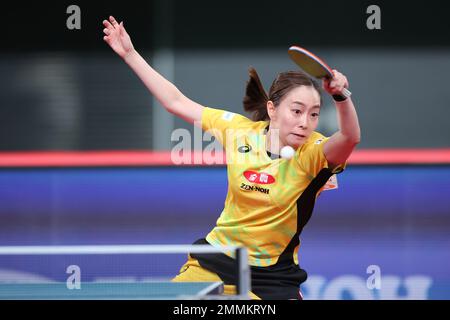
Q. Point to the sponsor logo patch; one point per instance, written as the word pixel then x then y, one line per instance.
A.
pixel 244 149
pixel 259 178
pixel 247 187
pixel 228 116
pixel 331 183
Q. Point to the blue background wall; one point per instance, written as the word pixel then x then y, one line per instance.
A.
pixel 394 217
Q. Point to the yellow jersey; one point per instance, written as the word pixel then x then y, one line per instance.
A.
pixel 265 199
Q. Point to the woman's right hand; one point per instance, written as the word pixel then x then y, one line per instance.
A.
pixel 117 37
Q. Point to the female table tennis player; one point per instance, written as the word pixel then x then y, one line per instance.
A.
pixel 270 199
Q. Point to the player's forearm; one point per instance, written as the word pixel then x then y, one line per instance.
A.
pixel 348 120
pixel 163 90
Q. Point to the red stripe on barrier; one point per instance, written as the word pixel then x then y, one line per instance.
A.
pixel 104 158
pixel 152 158
pixel 401 156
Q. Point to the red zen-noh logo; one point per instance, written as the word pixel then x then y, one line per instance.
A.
pixel 259 178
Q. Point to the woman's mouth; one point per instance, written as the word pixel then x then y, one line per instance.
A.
pixel 300 136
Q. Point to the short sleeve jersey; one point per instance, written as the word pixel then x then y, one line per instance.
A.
pixel 260 210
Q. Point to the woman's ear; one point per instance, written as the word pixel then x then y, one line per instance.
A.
pixel 271 110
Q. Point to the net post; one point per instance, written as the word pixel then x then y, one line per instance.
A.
pixel 243 285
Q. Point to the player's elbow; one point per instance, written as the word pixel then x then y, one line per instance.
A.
pixel 353 140
pixel 175 107
pixel 357 138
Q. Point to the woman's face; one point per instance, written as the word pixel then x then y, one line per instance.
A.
pixel 296 117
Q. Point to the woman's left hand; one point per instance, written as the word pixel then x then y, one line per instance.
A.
pixel 335 85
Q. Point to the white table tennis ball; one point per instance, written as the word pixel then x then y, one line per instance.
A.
pixel 287 152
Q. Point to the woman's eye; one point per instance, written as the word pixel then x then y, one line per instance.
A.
pixel 315 114
pixel 296 111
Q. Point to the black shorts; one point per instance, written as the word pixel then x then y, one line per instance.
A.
pixel 277 282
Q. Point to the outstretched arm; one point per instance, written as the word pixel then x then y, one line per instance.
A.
pixel 341 144
pixel 164 91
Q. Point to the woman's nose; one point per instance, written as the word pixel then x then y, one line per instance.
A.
pixel 303 123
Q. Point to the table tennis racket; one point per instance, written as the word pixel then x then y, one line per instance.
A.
pixel 313 65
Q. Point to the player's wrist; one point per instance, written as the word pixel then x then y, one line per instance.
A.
pixel 342 104
pixel 129 55
pixel 342 95
pixel 339 97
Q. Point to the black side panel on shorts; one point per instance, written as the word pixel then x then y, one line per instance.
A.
pixel 279 282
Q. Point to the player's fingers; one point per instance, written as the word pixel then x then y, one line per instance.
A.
pixel 336 73
pixel 121 28
pixel 342 81
pixel 107 24
pixel 340 76
pixel 345 82
pixel 107 31
pixel 113 21
pixel 325 83
pixel 333 84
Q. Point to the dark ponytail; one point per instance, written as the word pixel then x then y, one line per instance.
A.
pixel 255 100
